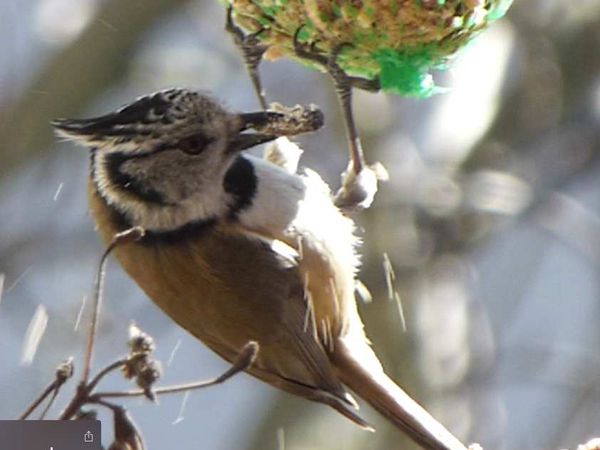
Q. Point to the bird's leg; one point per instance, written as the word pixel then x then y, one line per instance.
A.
pixel 308 51
pixel 252 52
pixel 343 88
pixel 359 181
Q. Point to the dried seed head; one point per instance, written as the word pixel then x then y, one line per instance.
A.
pixel 149 374
pixel 246 356
pixel 65 370
pixel 129 369
pixel 139 342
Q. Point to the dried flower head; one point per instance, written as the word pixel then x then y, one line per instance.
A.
pixel 140 365
pixel 65 370
pixel 147 375
pixel 139 342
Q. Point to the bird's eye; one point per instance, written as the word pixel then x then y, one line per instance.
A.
pixel 193 145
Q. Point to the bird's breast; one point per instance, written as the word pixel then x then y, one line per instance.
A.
pixel 298 210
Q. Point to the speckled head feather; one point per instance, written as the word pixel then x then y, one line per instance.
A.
pixel 149 121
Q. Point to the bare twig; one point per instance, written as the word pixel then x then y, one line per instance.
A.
pixel 130 235
pixel 244 360
pixel 47 391
pixel 138 363
pixel 83 389
pixel 63 372
pixel 113 366
pixel 50 403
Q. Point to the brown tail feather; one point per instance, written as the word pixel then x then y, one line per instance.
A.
pixel 347 411
pixel 375 387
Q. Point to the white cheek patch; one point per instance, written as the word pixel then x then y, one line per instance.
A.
pixel 206 204
pixel 293 208
pixel 277 198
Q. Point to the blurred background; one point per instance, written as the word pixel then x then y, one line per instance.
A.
pixel 490 224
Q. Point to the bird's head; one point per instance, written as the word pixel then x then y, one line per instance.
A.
pixel 162 159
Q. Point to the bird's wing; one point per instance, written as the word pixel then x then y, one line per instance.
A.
pixel 267 302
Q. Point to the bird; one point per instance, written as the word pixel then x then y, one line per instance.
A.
pixel 241 248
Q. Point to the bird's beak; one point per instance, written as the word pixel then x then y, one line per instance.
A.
pixel 256 121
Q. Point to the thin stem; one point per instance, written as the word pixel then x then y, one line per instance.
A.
pixel 243 361
pixel 164 390
pixel 50 403
pixel 83 388
pixel 63 372
pixel 78 400
pixel 98 291
pixel 83 394
pixel 51 387
pixel 124 237
pixel 115 365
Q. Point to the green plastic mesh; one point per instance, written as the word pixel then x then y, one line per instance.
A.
pixel 400 41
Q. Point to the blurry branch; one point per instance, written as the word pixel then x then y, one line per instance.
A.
pixel 569 73
pixel 555 150
pixel 76 75
pixel 570 221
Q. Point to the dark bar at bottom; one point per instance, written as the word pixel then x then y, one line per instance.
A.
pixel 50 435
